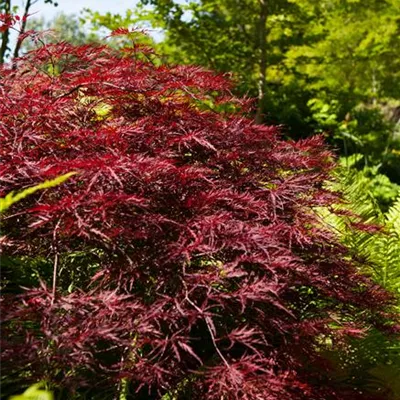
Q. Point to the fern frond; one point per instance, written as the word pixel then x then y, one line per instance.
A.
pixel 386 252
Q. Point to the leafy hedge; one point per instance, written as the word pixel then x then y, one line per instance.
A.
pixel 178 259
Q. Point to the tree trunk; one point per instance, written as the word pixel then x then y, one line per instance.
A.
pixel 262 49
pixel 5 36
pixel 20 39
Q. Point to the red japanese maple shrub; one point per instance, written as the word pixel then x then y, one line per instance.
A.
pixel 179 257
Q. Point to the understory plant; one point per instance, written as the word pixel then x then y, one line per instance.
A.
pixel 373 361
pixel 177 262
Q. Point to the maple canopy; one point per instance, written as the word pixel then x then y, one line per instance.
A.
pixel 181 257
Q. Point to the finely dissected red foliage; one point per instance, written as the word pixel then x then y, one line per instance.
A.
pixel 197 227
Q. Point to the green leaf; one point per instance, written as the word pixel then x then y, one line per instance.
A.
pixel 34 392
pixel 12 197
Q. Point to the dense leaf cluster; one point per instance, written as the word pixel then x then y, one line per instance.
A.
pixel 177 260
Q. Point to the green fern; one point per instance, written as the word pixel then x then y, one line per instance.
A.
pixel 363 208
pixel 385 251
pixel 380 250
pixel 372 363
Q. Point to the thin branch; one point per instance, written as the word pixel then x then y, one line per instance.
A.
pixel 206 318
pixel 55 269
pixel 28 5
pixel 56 261
pixel 262 50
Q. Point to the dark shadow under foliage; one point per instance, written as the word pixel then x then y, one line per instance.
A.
pixel 182 248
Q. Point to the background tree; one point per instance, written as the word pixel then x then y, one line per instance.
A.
pixel 5 9
pixel 248 38
pixel 18 24
pixel 327 66
pixel 63 27
pixel 349 59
